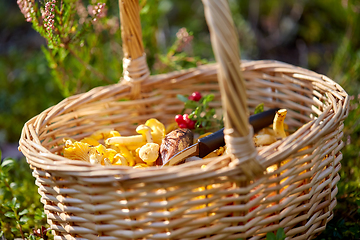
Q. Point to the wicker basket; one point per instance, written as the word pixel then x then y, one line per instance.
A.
pixel 290 184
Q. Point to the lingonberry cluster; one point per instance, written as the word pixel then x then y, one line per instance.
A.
pixel 184 121
pixel 197 114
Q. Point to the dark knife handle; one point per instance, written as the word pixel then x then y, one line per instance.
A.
pixel 215 140
pixel 263 119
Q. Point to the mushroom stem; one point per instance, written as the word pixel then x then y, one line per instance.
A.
pixel 146 132
pixel 278 124
pixel 127 140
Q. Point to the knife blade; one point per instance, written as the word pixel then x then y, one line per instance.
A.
pixel 207 144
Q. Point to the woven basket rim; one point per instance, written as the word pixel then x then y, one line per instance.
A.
pixel 77 168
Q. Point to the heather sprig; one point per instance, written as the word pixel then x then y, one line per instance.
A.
pixel 184 38
pixel 26 8
pixel 49 15
pixel 97 11
pixel 48 19
pixel 62 22
pixel 71 29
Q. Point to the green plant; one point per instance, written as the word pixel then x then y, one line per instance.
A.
pixel 204 116
pixel 346 63
pixel 259 108
pixel 178 55
pixel 339 229
pixel 83 38
pixel 280 235
pixel 349 186
pixel 21 211
pixel 81 42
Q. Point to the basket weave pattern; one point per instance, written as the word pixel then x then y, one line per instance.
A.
pixel 297 192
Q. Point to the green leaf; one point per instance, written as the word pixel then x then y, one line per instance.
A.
pixel 63 53
pixel 190 104
pixel 259 108
pixel 20 198
pixel 24 220
pixel 39 214
pixel 270 236
pixel 280 234
pixel 7 195
pixel 23 212
pixel 182 98
pixel 145 9
pixel 13 185
pixel 7 163
pixel 13 202
pixel 32 237
pixel 17 205
pixel 10 214
pixel 207 98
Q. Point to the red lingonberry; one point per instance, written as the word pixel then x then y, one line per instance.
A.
pixel 195 96
pixel 191 124
pixel 179 119
pixel 186 118
pixel 182 125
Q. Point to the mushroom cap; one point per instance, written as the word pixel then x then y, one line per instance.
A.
pixel 158 130
pixel 77 151
pixel 143 129
pixel 149 152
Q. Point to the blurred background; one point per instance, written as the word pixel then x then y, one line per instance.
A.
pixel 38 68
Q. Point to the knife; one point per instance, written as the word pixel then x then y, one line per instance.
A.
pixel 207 144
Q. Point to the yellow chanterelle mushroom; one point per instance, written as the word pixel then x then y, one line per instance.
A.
pixel 278 124
pixel 149 152
pixel 127 140
pixel 158 130
pixel 145 131
pixel 77 151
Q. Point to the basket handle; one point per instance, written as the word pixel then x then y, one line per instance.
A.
pixel 238 132
pixel 135 68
